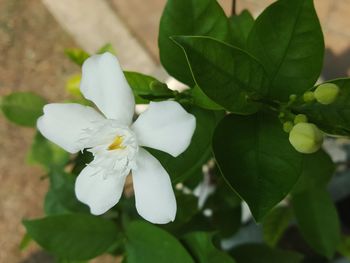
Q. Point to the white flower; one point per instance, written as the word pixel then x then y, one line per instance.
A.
pixel 116 142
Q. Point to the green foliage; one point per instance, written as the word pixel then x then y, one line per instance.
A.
pixel 201 100
pixel 188 17
pixel 74 236
pixel 22 108
pixel 317 171
pixel 335 117
pixel 227 75
pixel 203 250
pixel 275 223
pixel 344 247
pixel 149 244
pixel 226 210
pixel 199 151
pixel 256 159
pixel 256 253
pixel 107 48
pixel 147 88
pixel 241 25
pixel 251 89
pixel 187 208
pixel 287 39
pixel 76 55
pixel 318 220
pixel 47 154
pixel 60 199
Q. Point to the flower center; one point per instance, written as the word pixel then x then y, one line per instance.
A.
pixel 114 147
pixel 117 144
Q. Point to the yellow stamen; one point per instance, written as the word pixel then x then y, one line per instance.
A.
pixel 116 144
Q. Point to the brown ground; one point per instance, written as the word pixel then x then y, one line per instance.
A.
pixel 31 48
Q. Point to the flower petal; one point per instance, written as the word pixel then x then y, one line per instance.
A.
pixel 63 124
pixel 155 199
pixel 165 126
pixel 104 83
pixel 98 191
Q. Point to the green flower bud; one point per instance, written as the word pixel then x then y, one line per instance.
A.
pixel 306 137
pixel 292 97
pixel 326 93
pixel 300 118
pixel 309 96
pixel 288 126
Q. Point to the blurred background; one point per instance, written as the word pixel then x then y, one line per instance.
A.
pixel 33 36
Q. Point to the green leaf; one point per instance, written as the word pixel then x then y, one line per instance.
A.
pixel 47 154
pixel 81 160
pixel 226 209
pixel 107 48
pixel 78 56
pixel 188 163
pixel 241 25
pixel 275 223
pixel 257 160
pixel 335 117
pixel 22 108
pixel 187 207
pixel 227 75
pixel 344 247
pixel 26 240
pixel 73 236
pixel 201 100
pixel 257 253
pixel 61 199
pixel 147 243
pixel 147 88
pixel 202 248
pixel 188 17
pixel 288 40
pixel 318 220
pixel 318 169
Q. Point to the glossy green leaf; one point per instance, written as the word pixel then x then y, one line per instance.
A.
pixel 188 17
pixel 275 224
pixel 74 236
pixel 257 160
pixel 22 108
pixel 258 253
pixel 148 243
pixel 147 88
pixel 318 169
pixel 318 220
pixel 335 117
pixel 197 153
pixel 76 55
pixel 288 40
pixel 47 154
pixel 61 199
pixel 227 75
pixel 201 100
pixel 241 25
pixel 203 250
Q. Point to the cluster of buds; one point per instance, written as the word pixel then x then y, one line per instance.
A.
pixel 306 137
pixel 324 94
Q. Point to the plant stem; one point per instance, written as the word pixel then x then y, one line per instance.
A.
pixel 233 11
